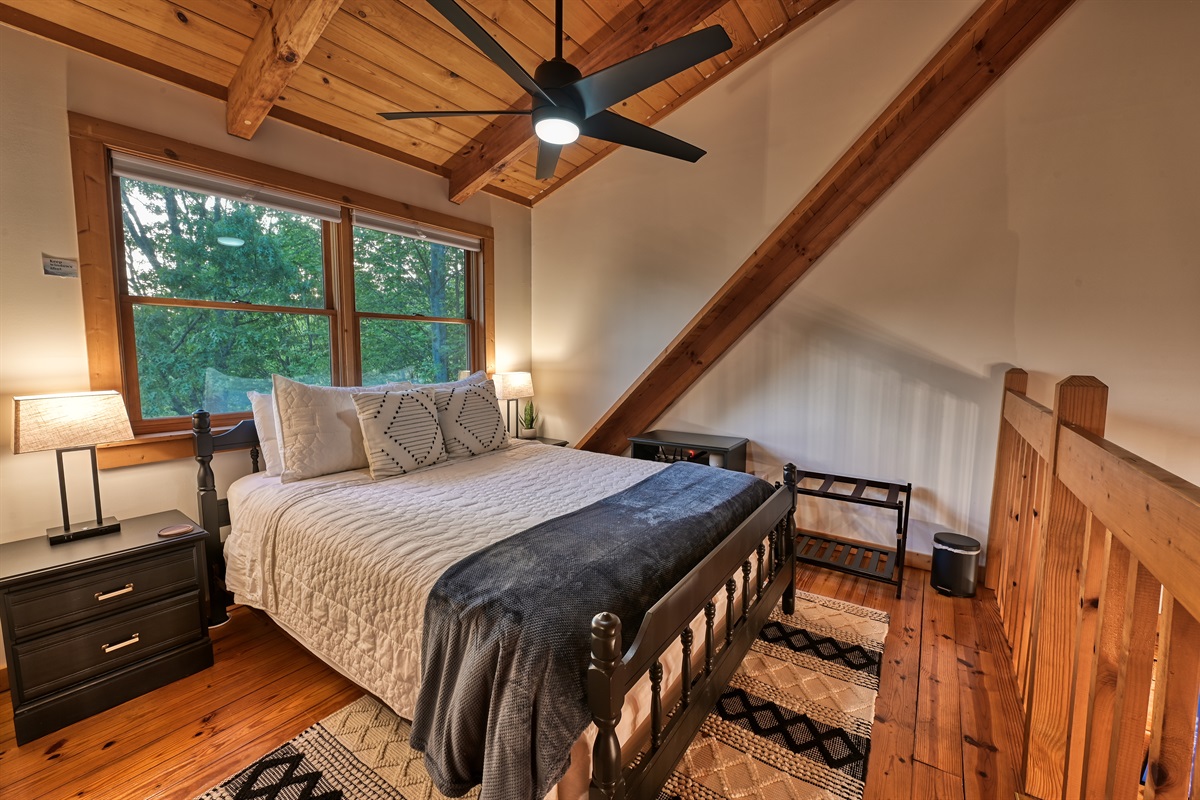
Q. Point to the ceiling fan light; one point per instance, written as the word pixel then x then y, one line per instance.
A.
pixel 555 130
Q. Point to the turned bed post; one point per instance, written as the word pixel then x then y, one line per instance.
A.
pixel 206 497
pixel 606 696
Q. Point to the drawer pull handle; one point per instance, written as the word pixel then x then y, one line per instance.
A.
pixel 102 596
pixel 108 648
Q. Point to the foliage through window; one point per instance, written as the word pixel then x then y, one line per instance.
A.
pixel 411 297
pixel 218 294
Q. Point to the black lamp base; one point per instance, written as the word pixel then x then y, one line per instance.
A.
pixel 83 530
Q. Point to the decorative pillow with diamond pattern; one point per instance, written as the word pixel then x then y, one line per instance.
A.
pixel 400 431
pixel 319 432
pixel 470 419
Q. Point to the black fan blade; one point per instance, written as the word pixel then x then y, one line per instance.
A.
pixel 612 127
pixel 611 85
pixel 547 159
pixel 428 114
pixel 490 47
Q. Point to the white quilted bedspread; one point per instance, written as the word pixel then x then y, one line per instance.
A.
pixel 346 563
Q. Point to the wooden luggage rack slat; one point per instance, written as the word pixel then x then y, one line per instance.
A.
pixel 857 558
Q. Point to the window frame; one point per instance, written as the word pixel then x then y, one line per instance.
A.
pixel 107 306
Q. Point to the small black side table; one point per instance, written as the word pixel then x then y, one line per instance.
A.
pixel 552 442
pixel 91 623
pixel 717 451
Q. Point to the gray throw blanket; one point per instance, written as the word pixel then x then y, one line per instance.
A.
pixel 507 629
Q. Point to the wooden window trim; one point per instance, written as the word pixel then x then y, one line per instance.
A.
pixel 91 140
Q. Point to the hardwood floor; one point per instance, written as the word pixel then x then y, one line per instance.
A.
pixel 946 721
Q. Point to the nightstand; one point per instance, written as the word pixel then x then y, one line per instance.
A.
pixel 552 442
pixel 717 451
pixel 91 623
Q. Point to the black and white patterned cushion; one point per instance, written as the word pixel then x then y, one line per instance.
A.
pixel 400 431
pixel 470 419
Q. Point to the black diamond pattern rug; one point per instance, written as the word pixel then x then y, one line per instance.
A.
pixel 795 722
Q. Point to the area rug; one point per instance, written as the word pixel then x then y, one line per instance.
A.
pixel 795 722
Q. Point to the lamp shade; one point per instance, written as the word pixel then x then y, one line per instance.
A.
pixel 62 421
pixel 513 385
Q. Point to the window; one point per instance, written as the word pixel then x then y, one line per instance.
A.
pixel 410 295
pixel 212 282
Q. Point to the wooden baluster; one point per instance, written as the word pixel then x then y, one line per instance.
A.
pixel 730 591
pixel 772 545
pixel 1176 692
pixel 686 640
pixel 656 712
pixel 789 543
pixel 254 458
pixel 746 589
pixel 758 578
pixel 605 702
pixel 710 615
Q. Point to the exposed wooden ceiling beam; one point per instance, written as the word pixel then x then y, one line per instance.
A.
pixel 471 170
pixel 807 12
pixel 290 30
pixel 971 61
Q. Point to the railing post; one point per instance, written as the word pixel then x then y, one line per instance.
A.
pixel 1015 380
pixel 1081 401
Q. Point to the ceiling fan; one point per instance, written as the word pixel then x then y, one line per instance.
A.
pixel 567 104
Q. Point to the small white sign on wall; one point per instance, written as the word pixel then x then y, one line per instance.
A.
pixel 60 267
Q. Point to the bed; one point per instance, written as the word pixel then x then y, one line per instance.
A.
pixel 347 565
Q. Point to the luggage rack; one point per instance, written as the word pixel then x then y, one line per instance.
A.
pixel 856 558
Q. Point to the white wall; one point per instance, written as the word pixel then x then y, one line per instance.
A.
pixel 1053 228
pixel 42 347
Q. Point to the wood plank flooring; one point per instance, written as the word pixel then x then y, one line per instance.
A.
pixel 947 721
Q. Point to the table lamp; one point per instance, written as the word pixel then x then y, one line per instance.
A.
pixel 66 422
pixel 510 387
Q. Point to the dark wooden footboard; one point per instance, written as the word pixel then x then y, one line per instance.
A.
pixel 763 546
pixel 214 511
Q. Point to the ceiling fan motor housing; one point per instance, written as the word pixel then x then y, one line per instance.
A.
pixel 556 73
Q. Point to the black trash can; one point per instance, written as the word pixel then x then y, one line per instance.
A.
pixel 955 563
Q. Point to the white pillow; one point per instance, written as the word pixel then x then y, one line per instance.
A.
pixel 263 406
pixel 319 432
pixel 400 431
pixel 470 419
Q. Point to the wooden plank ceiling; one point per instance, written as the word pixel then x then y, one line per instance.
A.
pixel 332 65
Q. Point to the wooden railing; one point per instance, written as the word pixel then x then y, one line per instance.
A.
pixel 1094 556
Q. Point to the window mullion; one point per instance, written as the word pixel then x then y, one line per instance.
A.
pixel 340 269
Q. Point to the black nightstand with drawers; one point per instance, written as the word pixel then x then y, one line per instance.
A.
pixel 94 622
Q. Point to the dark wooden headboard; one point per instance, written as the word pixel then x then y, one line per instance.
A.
pixel 214 511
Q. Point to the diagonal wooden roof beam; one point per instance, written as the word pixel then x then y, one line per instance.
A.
pixel 288 33
pixel 510 137
pixel 971 61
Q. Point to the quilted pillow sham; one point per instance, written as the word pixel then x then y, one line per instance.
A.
pixel 319 431
pixel 263 408
pixel 400 431
pixel 470 419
